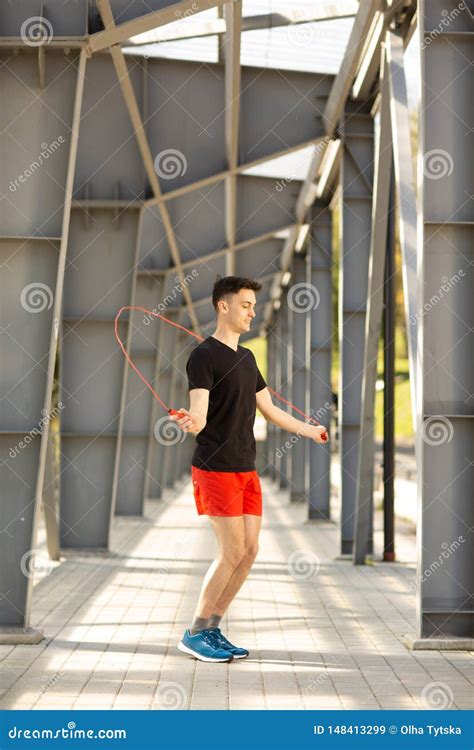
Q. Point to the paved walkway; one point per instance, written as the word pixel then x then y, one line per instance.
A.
pixel 323 634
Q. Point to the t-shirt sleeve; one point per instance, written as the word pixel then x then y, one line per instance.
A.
pixel 199 370
pixel 260 382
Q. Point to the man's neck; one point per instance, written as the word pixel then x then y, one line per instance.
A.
pixel 230 338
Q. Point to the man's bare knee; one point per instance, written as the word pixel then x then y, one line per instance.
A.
pixel 251 551
pixel 233 554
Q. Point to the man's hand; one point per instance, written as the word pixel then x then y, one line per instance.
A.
pixel 189 421
pixel 317 431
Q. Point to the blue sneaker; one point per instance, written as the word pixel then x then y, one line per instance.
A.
pixel 222 642
pixel 203 645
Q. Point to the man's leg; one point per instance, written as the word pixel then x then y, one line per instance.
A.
pixel 230 533
pixel 252 525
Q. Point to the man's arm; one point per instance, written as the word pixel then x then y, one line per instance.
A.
pixel 195 419
pixel 284 420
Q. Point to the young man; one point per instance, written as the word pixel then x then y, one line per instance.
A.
pixel 225 387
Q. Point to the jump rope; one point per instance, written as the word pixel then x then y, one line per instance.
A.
pixel 179 412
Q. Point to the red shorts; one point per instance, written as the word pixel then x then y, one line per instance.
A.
pixel 226 493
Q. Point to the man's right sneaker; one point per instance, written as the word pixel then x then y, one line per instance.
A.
pixel 202 645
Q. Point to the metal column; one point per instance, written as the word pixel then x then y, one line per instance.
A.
pixel 389 388
pixel 161 429
pixel 271 429
pixel 170 434
pixel 320 252
pixel 285 388
pixel 356 196
pixel 279 348
pixel 300 299
pixel 376 273
pixel 445 375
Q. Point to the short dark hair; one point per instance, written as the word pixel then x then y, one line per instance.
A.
pixel 232 285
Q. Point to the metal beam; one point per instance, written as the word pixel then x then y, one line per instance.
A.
pixel 113 34
pixel 343 82
pixel 444 321
pixel 321 335
pixel 271 428
pixel 405 194
pixel 128 479
pixel 378 242
pixel 154 483
pixel 332 112
pixel 238 170
pixel 17 598
pixel 298 291
pixel 279 233
pixel 369 65
pixel 193 29
pixel 355 229
pixel 233 20
pixel 286 374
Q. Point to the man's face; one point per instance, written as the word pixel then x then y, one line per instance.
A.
pixel 238 310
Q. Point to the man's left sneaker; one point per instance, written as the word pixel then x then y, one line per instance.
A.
pixel 222 642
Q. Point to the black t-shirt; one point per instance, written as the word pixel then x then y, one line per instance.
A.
pixel 232 378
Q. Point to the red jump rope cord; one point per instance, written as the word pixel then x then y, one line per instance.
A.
pixel 174 412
